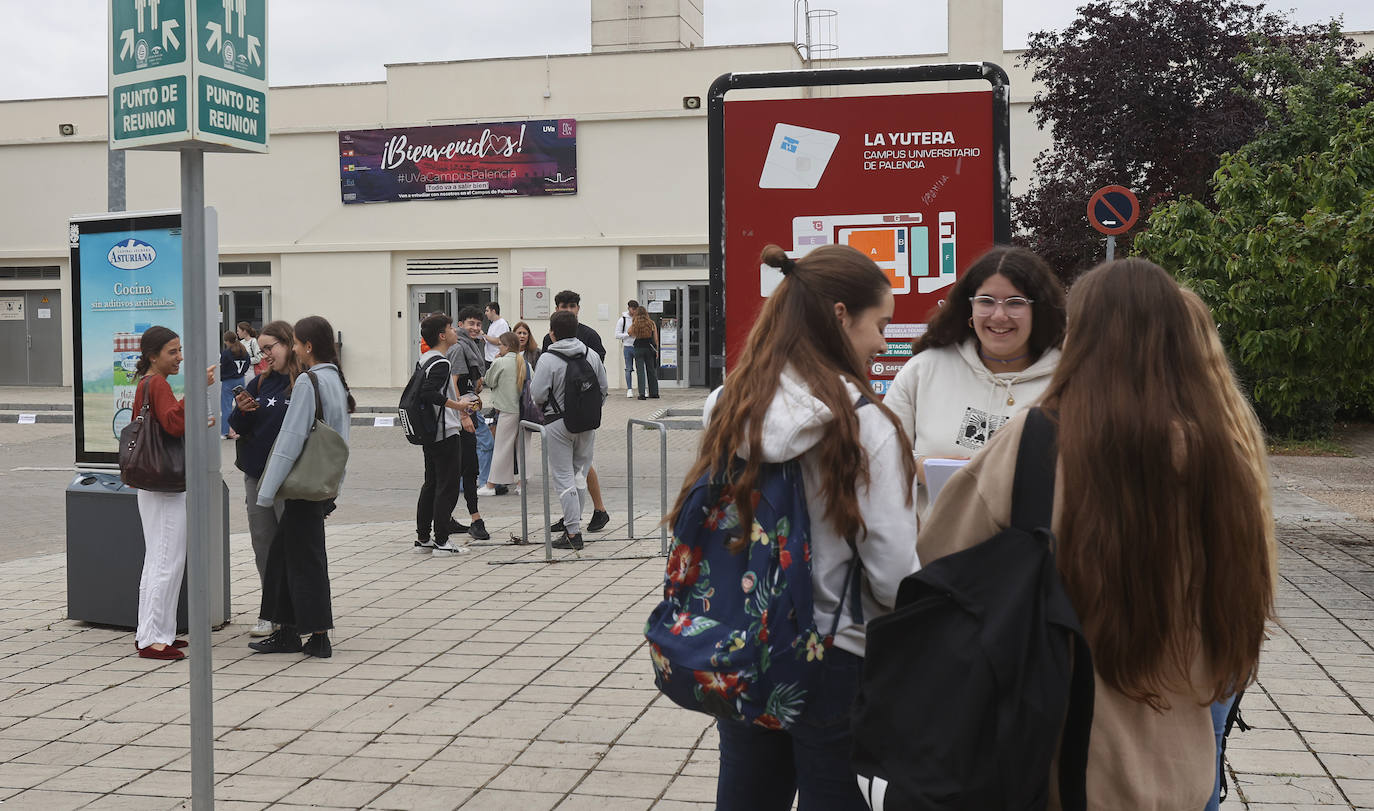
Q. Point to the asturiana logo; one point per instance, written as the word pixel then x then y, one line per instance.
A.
pixel 132 254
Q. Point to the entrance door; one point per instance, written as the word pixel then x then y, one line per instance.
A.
pixel 243 304
pixel 679 310
pixel 425 300
pixel 30 338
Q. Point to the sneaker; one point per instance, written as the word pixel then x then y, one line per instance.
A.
pixel 629 394
pixel 502 489
pixel 283 640
pixel 423 544
pixel 318 646
pixel 447 548
pixel 600 518
pixel 486 490
pixel 569 542
pixel 557 526
pixel 456 528
pixel 263 628
pixel 478 530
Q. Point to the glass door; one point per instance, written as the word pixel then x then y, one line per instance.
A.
pixel 243 304
pixel 668 307
pixel 425 300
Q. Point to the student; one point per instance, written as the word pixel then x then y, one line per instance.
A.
pixel 249 337
pixel 645 334
pixel 570 301
pixel 163 515
pixel 570 453
pixel 988 354
pixel 439 493
pixel 296 593
pixel 622 334
pixel 257 417
pixel 468 370
pixel 528 347
pixel 233 367
pixel 1165 540
pixel 506 378
pixel 496 327
pixel 795 393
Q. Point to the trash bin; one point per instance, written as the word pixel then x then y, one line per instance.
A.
pixel 105 555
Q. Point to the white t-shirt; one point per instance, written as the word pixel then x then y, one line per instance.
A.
pixel 498 328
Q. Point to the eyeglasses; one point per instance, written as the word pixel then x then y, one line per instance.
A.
pixel 268 347
pixel 1013 306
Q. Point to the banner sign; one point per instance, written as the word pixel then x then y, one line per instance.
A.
pixel 514 158
pixel 907 180
pixel 126 277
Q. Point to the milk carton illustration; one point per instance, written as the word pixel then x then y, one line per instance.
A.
pixel 126 355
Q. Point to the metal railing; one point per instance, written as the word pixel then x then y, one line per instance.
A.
pixel 662 476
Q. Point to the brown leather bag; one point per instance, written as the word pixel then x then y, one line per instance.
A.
pixel 149 457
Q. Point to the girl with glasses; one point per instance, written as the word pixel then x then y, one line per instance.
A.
pixel 987 354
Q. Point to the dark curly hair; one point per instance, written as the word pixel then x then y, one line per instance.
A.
pixel 1029 273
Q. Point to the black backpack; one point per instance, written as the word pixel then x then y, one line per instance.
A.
pixel 581 410
pixel 968 683
pixel 419 419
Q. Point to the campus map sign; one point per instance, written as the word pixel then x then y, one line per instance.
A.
pixel 506 159
pixel 907 180
pixel 163 97
pixel 126 277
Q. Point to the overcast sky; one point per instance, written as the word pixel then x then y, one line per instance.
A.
pixel 58 47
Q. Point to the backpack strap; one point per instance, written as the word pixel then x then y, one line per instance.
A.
pixel 319 399
pixel 1032 509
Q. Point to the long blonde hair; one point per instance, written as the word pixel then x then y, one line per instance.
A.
pixel 1166 541
pixel 511 342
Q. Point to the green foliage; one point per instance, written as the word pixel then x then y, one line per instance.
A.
pixel 1285 254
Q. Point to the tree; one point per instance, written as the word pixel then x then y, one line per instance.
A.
pixel 1283 249
pixel 1142 93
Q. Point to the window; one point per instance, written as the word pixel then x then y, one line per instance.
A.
pixel 51 272
pixel 672 261
pixel 245 268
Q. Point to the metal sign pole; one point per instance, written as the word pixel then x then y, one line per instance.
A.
pixel 202 455
pixel 1111 248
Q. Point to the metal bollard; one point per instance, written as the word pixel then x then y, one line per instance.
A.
pixel 662 476
pixel 524 488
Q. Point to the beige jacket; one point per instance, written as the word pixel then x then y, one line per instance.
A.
pixel 1138 759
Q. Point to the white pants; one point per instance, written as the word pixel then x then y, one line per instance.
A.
pixel 164 564
pixel 570 457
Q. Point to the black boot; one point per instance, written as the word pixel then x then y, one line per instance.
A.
pixel 318 646
pixel 283 640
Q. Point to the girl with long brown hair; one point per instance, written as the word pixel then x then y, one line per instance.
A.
pixel 645 334
pixel 257 418
pixel 797 391
pixel 1166 545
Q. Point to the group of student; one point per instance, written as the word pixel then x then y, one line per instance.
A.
pixel 271 416
pixel 451 380
pixel 1165 544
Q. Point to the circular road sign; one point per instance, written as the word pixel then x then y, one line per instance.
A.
pixel 1113 210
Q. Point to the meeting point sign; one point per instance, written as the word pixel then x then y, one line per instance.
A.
pixel 188 73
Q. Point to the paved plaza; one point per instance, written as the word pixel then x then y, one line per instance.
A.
pixel 494 680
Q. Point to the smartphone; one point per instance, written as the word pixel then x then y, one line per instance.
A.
pixel 238 390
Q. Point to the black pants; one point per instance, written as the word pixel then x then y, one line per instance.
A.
pixel 439 493
pixel 467 462
pixel 295 587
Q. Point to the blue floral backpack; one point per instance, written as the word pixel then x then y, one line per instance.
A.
pixel 734 636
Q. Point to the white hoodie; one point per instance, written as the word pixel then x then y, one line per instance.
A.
pixel 950 403
pixel 794 424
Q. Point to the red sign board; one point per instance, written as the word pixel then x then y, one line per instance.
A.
pixel 908 180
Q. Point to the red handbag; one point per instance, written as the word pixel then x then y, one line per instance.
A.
pixel 149 457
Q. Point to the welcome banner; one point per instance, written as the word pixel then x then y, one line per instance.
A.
pixel 505 159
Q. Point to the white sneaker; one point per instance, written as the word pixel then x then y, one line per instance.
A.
pixel 630 394
pixel 486 490
pixel 263 628
pixel 447 549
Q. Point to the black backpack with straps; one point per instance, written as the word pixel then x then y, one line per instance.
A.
pixel 581 406
pixel 420 420
pixel 968 684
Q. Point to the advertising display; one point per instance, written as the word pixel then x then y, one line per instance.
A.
pixel 516 158
pixel 907 180
pixel 126 277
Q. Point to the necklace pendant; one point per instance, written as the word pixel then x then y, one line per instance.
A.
pixel 1011 400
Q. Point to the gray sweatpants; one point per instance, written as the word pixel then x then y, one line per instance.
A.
pixel 570 457
pixel 262 523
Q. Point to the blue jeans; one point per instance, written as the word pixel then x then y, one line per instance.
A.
pixel 629 364
pixel 226 402
pixel 1220 710
pixel 485 445
pixel 762 769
